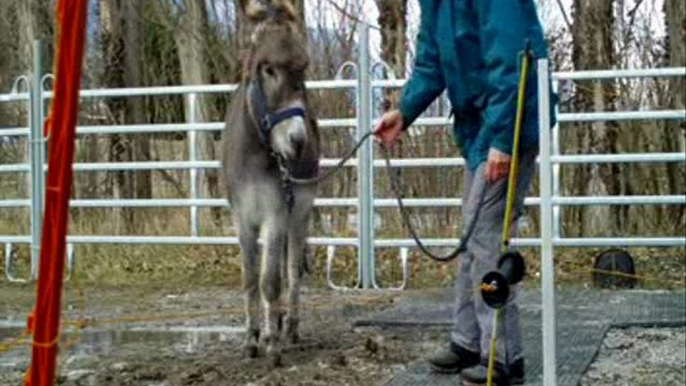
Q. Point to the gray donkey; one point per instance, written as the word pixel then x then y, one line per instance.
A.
pixel 271 132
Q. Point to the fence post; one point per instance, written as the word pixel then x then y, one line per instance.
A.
pixel 557 210
pixel 365 170
pixel 37 146
pixel 546 223
pixel 191 117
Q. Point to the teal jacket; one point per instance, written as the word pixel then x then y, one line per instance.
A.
pixel 472 48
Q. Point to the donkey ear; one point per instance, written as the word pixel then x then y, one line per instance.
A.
pixel 255 10
pixel 286 8
pixel 258 10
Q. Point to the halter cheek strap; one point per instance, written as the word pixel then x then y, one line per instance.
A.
pixel 265 123
pixel 266 120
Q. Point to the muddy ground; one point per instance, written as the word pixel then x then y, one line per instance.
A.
pixel 330 352
pixel 189 349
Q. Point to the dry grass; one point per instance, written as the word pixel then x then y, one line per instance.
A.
pixel 121 264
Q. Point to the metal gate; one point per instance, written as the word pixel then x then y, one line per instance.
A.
pixel 37 96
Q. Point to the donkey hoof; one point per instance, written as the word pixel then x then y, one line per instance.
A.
pixel 279 323
pixel 292 330
pixel 251 351
pixel 293 337
pixel 275 359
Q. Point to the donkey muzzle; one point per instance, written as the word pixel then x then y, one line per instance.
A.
pixel 288 137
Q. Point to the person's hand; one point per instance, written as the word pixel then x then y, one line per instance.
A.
pixel 389 128
pixel 497 165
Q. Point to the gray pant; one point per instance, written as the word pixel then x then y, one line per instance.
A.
pixel 473 319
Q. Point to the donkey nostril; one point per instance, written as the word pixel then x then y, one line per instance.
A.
pixel 297 143
pixel 299 147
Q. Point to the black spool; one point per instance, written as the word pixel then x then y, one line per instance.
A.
pixel 614 269
pixel 495 286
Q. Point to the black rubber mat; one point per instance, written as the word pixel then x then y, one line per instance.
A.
pixel 583 319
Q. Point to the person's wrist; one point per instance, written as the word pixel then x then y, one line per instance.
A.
pixel 403 116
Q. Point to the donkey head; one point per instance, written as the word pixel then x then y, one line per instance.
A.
pixel 276 69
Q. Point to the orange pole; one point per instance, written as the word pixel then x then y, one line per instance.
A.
pixel 71 17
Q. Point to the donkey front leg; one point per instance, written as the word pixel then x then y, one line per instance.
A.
pixel 251 273
pixel 296 253
pixel 270 286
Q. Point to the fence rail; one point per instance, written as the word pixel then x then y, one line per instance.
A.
pixel 351 202
pixel 195 165
pixel 330 162
pixel 365 203
pixel 590 242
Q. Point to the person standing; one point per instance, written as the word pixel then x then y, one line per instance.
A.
pixel 472 49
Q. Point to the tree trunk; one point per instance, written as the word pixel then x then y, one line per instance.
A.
pixel 120 149
pixel 675 23
pixel 27 34
pixel 27 26
pixel 300 9
pixel 393 23
pixel 593 49
pixel 242 41
pixel 675 131
pixel 34 22
pixel 135 112
pixel 191 43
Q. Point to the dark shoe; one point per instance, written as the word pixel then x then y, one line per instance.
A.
pixel 453 359
pixel 478 375
pixel 517 372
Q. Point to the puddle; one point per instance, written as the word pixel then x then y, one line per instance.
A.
pixel 95 342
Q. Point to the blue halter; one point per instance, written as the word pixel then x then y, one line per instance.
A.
pixel 266 120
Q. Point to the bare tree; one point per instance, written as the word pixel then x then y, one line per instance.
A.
pixel 27 34
pixel 243 29
pixel 675 133
pixel 393 23
pixel 593 49
pixel 120 31
pixel 34 22
pixel 135 112
pixel 675 22
pixel 300 9
pixel 190 36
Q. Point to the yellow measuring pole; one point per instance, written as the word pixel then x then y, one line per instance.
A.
pixel 514 164
pixel 509 206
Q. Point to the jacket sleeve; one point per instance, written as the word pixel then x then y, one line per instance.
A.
pixel 504 28
pixel 426 82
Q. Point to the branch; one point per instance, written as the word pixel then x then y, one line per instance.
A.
pixel 347 14
pixel 632 13
pixel 175 184
pixel 564 15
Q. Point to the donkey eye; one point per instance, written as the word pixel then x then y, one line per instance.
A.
pixel 299 86
pixel 298 78
pixel 269 70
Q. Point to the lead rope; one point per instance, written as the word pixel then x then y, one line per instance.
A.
pixel 395 182
pixel 337 167
pixel 397 191
pixel 509 206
